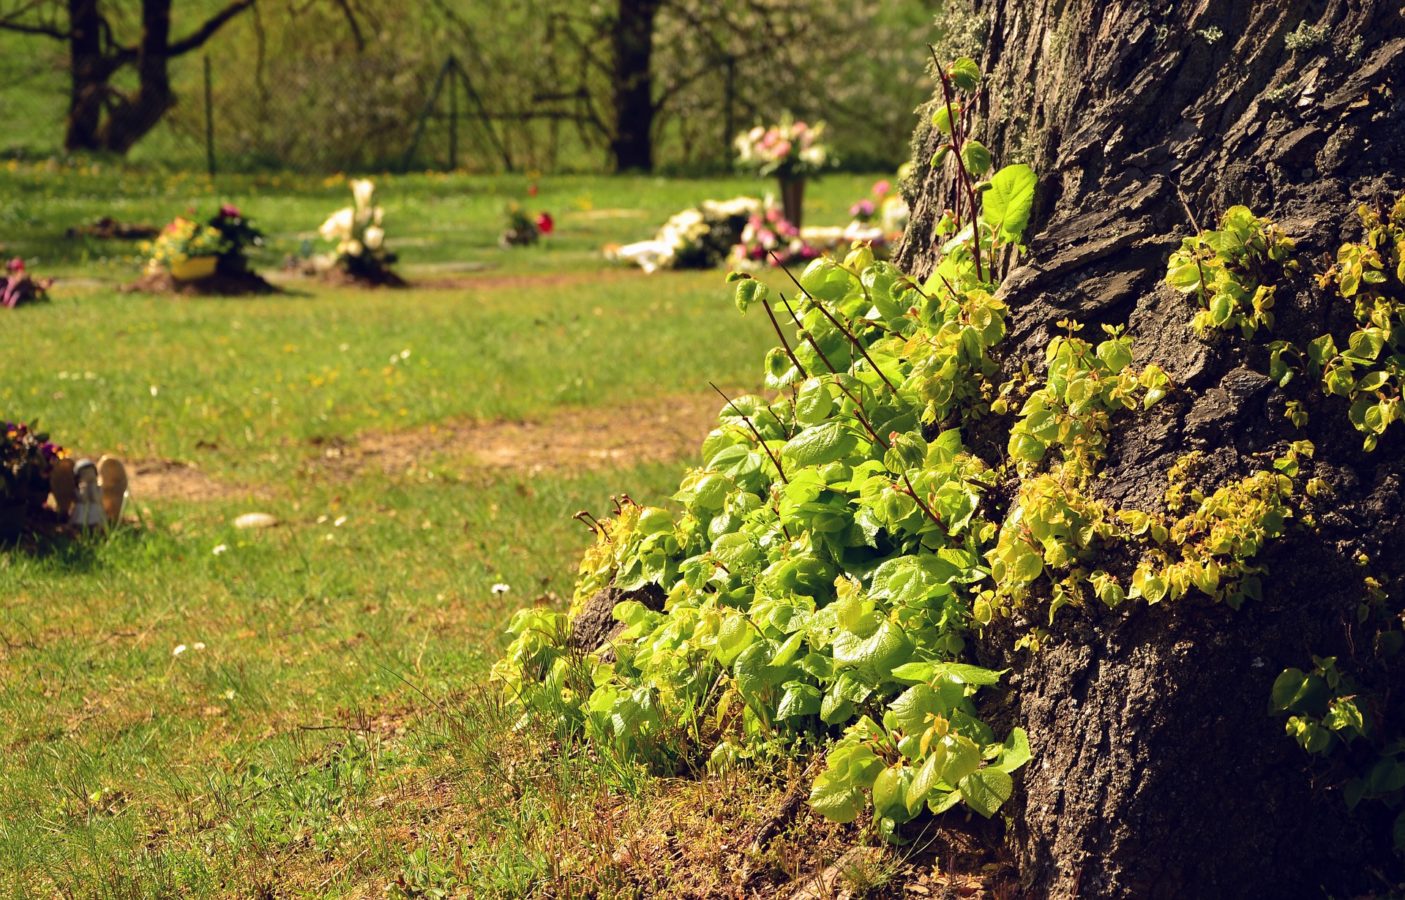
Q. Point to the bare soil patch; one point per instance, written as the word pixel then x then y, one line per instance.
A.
pixel 169 479
pixel 221 284
pixel 658 429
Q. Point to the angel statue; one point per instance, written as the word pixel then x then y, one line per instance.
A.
pixel 91 494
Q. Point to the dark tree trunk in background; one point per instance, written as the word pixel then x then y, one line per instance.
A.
pixel 1157 770
pixel 633 85
pixel 89 74
pixel 95 57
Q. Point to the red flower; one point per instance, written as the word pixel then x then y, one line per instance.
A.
pixel 544 223
pixel 15 265
pixel 532 189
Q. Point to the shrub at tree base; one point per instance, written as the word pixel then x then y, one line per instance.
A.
pixel 827 570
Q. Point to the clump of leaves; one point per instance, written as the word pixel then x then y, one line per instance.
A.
pixel 1232 271
pixel 1085 385
pixel 822 562
pixel 1371 276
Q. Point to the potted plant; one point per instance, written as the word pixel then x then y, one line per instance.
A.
pixel 187 249
pixel 789 150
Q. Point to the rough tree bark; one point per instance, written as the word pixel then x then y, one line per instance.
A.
pixel 632 85
pixel 1157 771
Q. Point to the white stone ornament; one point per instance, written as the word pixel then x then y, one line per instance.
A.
pixel 87 505
pixel 91 494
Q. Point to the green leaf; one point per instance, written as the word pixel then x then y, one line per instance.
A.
pixel 814 402
pixel 1010 200
pixel 799 699
pixel 913 707
pixel 890 793
pixel 1296 690
pixel 985 790
pixel 1014 752
pixel 819 444
pixel 975 157
pixel 923 782
pixel 967 674
pixel 965 74
pixel 749 291
pixel 914 672
pixel 735 634
pixel 957 757
pixel 836 798
pixel 824 280
pixel 942 120
pixel 876 656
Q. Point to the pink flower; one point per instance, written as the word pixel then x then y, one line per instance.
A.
pixel 229 211
pixel 545 224
pixel 783 148
pixel 766 236
pixel 799 127
pixel 881 187
pixel 15 266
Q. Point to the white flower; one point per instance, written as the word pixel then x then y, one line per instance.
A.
pixel 338 224
pixel 350 248
pixel 221 549
pixel 374 237
pixel 500 588
pixel 180 648
pixel 339 522
pixel 198 645
pixel 364 191
pixel 813 156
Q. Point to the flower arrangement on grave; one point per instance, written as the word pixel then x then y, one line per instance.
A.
pixel 699 237
pixel 27 459
pixel 358 235
pixel 239 235
pixel 791 151
pixel 18 287
pixel 521 228
pixel 187 249
pixel 771 239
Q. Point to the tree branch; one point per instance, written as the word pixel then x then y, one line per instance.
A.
pixel 197 39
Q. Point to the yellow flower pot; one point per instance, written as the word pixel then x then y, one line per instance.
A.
pixel 194 268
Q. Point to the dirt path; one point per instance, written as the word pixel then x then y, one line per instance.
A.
pixel 658 429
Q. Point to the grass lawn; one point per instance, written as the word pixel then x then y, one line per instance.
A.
pixel 321 732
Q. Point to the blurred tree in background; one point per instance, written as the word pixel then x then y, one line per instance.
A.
pixel 329 85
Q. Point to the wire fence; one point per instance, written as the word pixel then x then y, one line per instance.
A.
pixel 425 118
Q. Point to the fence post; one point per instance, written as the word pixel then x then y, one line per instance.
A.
pixel 729 119
pixel 454 118
pixel 209 119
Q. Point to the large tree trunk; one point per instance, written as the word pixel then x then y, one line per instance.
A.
pixel 1157 770
pixel 133 117
pixel 89 73
pixel 95 57
pixel 633 85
